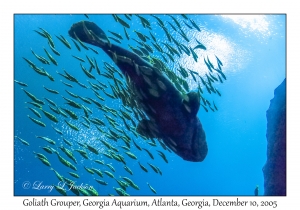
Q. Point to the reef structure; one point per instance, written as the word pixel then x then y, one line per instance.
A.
pixel 275 168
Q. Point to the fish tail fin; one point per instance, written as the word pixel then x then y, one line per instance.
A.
pixel 88 32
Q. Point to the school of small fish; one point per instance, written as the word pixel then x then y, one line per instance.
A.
pixel 118 127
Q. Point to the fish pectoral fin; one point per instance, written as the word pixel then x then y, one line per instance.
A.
pixel 191 103
pixel 148 129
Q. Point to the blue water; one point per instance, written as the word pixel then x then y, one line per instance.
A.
pixel 252 50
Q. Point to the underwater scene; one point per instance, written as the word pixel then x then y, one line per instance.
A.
pixel 144 104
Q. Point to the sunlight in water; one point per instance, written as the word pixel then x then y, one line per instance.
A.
pixel 254 23
pixel 231 54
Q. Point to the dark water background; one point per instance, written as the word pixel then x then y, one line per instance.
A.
pixel 252 50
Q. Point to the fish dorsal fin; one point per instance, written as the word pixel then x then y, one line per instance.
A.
pixel 191 103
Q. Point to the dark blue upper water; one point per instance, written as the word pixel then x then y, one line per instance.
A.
pixel 252 50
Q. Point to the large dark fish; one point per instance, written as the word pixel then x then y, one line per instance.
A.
pixel 172 117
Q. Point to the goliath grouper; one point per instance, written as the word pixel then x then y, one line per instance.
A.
pixel 172 116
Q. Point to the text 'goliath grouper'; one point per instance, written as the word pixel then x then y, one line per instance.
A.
pixel 172 117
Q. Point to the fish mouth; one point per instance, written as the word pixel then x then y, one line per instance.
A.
pixel 199 145
pixel 194 147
